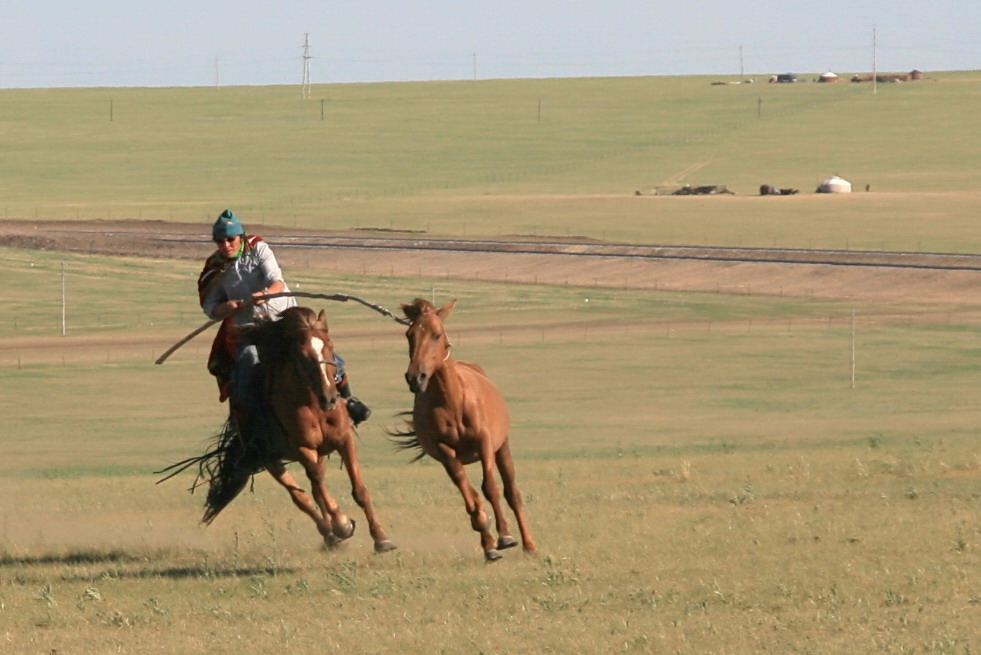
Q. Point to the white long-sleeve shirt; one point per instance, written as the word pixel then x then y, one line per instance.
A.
pixel 253 271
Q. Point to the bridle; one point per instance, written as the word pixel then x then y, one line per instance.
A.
pixel 446 335
pixel 298 358
pixel 442 325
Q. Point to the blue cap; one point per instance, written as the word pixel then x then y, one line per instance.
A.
pixel 227 225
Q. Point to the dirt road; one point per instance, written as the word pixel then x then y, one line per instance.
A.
pixel 562 262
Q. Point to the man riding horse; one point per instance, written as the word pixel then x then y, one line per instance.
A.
pixel 242 269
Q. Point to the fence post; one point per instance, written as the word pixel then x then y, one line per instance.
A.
pixel 63 303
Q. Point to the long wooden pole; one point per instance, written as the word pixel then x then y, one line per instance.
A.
pixel 340 297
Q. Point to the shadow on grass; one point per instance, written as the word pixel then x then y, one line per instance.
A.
pixel 80 557
pixel 203 570
pixel 185 572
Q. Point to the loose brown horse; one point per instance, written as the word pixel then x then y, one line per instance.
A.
pixel 301 419
pixel 460 417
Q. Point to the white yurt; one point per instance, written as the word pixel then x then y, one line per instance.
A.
pixel 835 184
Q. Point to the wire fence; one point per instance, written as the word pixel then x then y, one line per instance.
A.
pixel 137 344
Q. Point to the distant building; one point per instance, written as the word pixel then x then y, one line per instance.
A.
pixel 828 77
pixel 911 76
pixel 835 184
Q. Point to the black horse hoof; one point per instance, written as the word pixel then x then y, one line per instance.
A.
pixel 506 541
pixel 492 555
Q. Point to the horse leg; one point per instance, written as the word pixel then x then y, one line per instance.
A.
pixel 505 464
pixel 315 466
pixel 478 518
pixel 493 495
pixel 300 498
pixel 349 454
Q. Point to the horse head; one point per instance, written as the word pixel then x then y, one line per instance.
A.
pixel 429 346
pixel 312 352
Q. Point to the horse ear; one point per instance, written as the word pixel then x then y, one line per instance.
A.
pixel 322 317
pixel 445 311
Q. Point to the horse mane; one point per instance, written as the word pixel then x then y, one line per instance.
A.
pixel 274 338
pixel 417 308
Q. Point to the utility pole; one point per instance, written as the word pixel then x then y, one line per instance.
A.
pixel 742 74
pixel 216 71
pixel 306 66
pixel 64 302
pixel 875 66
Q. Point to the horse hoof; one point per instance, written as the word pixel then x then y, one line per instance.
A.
pixel 345 533
pixel 507 541
pixel 492 555
pixel 384 546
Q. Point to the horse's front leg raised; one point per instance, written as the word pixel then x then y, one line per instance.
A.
pixel 478 518
pixel 349 454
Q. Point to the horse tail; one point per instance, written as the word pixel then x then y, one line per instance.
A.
pixel 406 438
pixel 227 469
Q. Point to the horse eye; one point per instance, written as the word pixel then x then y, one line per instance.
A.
pixel 436 336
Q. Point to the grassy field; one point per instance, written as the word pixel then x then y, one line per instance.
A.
pixel 550 157
pixel 700 473
pixel 704 473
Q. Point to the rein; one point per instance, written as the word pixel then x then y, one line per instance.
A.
pixel 339 297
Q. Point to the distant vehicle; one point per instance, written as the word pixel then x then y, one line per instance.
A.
pixel 787 78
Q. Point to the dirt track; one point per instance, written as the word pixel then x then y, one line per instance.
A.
pixel 872 283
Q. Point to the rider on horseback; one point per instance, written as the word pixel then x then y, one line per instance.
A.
pixel 244 268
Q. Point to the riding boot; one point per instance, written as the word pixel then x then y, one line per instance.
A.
pixel 358 411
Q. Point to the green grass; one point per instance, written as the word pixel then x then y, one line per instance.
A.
pixel 701 475
pixel 550 157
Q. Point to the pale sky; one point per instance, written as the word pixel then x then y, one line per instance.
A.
pixel 85 43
